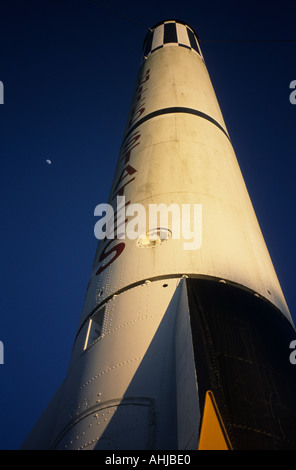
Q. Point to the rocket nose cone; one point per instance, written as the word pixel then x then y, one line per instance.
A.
pixel 169 32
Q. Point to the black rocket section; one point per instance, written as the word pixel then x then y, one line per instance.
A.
pixel 241 347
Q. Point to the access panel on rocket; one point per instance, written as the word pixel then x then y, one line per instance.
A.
pixel 183 341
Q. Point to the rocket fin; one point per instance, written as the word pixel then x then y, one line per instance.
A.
pixel 188 413
pixel 40 437
pixel 213 435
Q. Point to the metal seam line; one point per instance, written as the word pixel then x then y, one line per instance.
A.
pixel 162 278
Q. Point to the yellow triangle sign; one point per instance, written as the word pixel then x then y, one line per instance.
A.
pixel 213 435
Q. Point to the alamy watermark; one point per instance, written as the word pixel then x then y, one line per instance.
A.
pixel 152 224
pixel 1 93
pixel 1 352
pixel 293 353
pixel 292 96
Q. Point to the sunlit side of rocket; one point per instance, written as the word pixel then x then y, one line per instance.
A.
pixel 178 349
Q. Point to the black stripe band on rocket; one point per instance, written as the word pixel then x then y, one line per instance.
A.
pixel 172 110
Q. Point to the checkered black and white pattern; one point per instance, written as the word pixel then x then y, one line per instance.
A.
pixel 170 33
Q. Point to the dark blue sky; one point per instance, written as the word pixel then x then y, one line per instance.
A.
pixel 69 69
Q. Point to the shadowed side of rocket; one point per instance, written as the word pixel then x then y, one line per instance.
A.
pixel 178 348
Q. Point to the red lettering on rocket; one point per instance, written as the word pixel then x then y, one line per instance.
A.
pixel 128 170
pixel 139 107
pixel 115 250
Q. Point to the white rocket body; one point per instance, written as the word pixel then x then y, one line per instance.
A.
pixel 133 380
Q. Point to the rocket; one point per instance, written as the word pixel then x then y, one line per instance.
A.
pixel 183 340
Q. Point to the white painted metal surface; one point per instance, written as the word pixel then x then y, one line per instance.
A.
pixel 182 158
pixel 124 384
